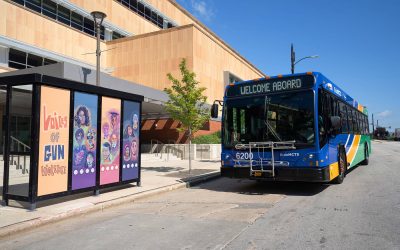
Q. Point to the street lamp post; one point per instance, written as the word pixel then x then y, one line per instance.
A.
pixel 293 58
pixel 98 18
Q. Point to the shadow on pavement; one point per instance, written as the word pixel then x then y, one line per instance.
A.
pixel 162 169
pixel 251 187
pixel 58 200
pixel 185 176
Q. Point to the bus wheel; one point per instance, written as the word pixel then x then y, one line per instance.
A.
pixel 342 164
pixel 366 155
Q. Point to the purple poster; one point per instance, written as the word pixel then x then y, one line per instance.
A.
pixel 130 149
pixel 84 141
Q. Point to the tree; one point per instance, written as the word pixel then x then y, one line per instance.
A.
pixel 187 103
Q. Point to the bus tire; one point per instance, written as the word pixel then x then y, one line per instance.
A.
pixel 366 155
pixel 342 165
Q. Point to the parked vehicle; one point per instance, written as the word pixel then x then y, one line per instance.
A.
pixel 397 134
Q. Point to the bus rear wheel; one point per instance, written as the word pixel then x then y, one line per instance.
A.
pixel 342 164
pixel 366 155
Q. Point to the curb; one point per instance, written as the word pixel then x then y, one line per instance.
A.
pixel 101 206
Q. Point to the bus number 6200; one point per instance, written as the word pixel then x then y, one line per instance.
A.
pixel 244 156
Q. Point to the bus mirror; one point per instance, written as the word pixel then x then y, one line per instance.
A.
pixel 214 110
pixel 336 122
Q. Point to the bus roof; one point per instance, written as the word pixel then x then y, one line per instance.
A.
pixel 320 82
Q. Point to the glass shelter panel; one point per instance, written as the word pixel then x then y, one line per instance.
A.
pixel 20 139
pixel 3 99
pixel 53 140
pixel 110 140
pixel 130 159
pixel 84 141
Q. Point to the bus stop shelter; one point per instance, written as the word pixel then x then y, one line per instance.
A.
pixel 61 137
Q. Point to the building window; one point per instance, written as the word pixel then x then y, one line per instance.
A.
pixel 88 26
pixel 34 61
pixel 147 12
pixel 16 59
pixel 35 5
pixel 116 35
pixel 49 9
pixel 21 60
pixel 63 15
pixel 233 79
pixel 76 21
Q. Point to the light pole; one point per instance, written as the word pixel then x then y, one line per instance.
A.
pixel 98 18
pixel 293 58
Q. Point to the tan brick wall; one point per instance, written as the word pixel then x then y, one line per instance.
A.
pixel 36 30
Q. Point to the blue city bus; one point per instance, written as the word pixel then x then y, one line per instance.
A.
pixel 298 127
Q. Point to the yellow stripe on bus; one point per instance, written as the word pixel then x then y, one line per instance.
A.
pixel 353 149
pixel 333 170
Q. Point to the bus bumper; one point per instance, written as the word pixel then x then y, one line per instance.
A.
pixel 281 174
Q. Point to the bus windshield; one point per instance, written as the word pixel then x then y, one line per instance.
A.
pixel 275 117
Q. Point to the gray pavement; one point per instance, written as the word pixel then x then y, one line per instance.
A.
pixel 361 213
pixel 157 177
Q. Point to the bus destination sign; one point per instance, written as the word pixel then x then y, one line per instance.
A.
pixel 271 86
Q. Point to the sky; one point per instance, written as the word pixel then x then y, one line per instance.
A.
pixel 358 42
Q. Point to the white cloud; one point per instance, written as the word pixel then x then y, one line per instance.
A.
pixel 202 9
pixel 385 113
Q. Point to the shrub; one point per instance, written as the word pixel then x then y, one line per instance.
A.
pixel 214 138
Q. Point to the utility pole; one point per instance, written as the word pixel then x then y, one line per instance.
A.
pixel 292 58
pixel 98 18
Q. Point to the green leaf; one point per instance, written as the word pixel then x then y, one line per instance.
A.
pixel 186 101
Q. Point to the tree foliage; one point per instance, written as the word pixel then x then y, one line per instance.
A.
pixel 187 102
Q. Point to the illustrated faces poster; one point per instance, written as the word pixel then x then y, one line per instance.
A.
pixel 84 141
pixel 130 149
pixel 53 140
pixel 110 140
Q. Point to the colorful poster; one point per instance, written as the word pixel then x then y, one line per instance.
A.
pixel 84 141
pixel 110 140
pixel 130 149
pixel 53 140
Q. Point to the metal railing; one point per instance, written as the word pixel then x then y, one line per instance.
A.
pixel 159 149
pixel 19 152
pixel 260 162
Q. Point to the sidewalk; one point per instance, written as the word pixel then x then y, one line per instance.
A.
pixel 157 177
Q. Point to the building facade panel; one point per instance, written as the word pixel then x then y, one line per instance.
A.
pixel 173 10
pixel 212 59
pixel 119 15
pixel 148 58
pixel 36 30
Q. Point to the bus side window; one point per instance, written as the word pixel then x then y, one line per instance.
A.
pixel 343 116
pixel 324 107
pixel 363 123
pixel 355 125
pixel 350 118
pixel 366 124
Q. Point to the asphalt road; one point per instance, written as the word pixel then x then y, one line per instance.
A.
pixel 361 213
